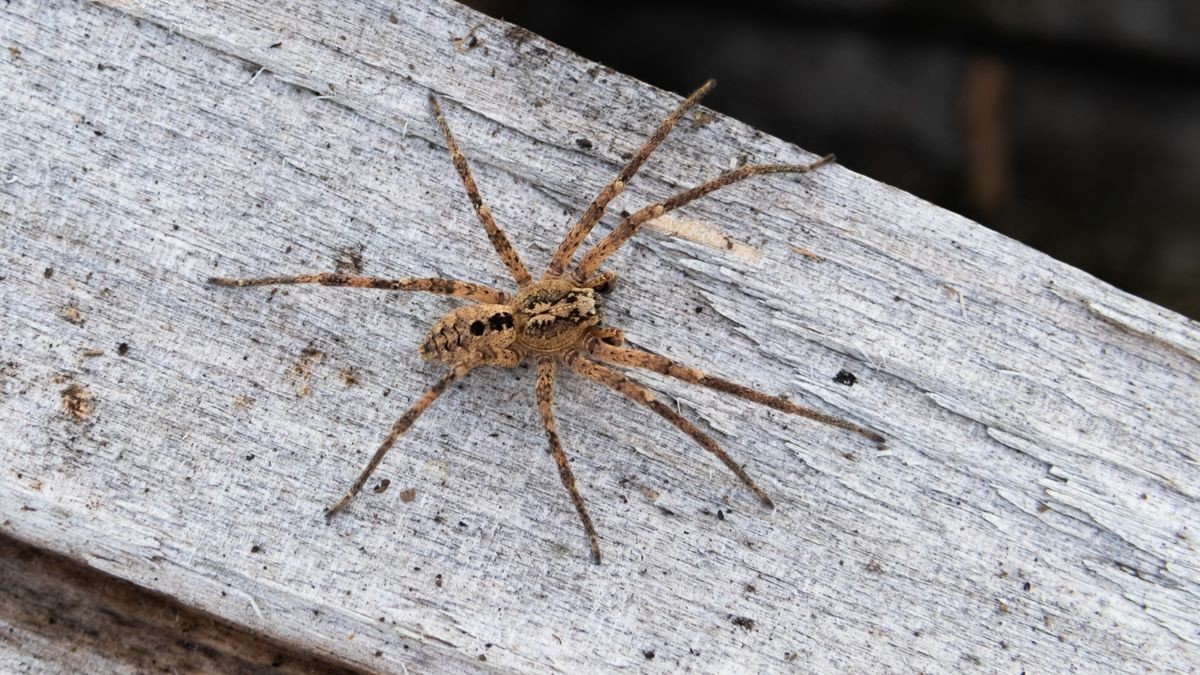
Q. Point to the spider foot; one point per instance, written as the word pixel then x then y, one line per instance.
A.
pixel 336 508
pixel 764 498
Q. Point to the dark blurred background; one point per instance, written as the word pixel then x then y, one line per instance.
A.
pixel 1071 125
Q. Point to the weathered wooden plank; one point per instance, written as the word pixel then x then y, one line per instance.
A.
pixel 57 615
pixel 1034 509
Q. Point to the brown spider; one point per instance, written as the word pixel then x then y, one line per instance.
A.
pixel 557 319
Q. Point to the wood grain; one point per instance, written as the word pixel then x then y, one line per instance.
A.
pixel 1035 510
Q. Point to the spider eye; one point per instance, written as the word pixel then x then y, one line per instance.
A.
pixel 477 328
pixel 604 288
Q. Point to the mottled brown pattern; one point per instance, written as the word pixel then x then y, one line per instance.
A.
pixel 558 319
pixel 472 329
pixel 554 314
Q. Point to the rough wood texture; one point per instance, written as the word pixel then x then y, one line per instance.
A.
pixel 62 615
pixel 1036 508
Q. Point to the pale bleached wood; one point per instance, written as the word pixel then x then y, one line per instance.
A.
pixel 1036 509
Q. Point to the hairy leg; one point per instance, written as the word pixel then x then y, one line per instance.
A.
pixel 637 358
pixel 460 289
pixel 631 224
pixel 545 401
pixel 499 241
pixel 399 427
pixel 579 232
pixel 603 283
pixel 641 395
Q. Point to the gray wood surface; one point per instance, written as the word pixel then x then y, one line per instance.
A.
pixel 1035 510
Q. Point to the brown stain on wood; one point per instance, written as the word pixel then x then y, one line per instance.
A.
pixel 807 254
pixel 302 369
pixel 349 260
pixel 78 404
pixel 71 314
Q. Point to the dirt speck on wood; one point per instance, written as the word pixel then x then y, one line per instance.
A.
pixel 742 622
pixel 349 260
pixel 302 370
pixel 77 402
pixel 72 314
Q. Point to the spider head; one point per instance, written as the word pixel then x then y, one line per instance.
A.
pixel 554 314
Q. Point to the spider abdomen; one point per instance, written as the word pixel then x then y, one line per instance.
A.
pixel 475 328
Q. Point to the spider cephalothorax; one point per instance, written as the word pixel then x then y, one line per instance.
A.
pixel 554 314
pixel 557 319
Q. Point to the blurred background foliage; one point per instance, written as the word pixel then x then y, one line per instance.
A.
pixel 1070 125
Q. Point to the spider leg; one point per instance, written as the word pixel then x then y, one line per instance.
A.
pixel 545 400
pixel 499 241
pixel 596 255
pixel 641 395
pixel 603 283
pixel 579 231
pixel 454 287
pixel 636 358
pixel 399 427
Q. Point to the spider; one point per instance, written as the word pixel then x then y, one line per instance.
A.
pixel 557 319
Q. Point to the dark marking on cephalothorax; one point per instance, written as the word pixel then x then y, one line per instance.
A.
pixel 554 314
pixel 547 313
pixel 500 321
